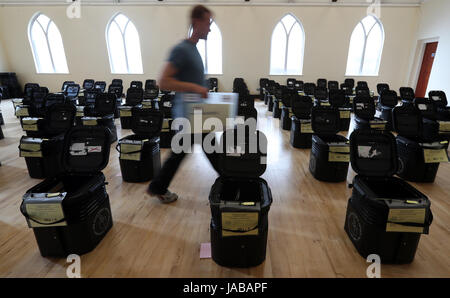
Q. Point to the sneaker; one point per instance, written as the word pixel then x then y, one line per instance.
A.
pixel 166 198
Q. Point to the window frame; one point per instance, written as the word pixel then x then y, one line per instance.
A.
pixel 36 60
pixel 366 36
pixel 206 50
pixel 124 45
pixel 285 73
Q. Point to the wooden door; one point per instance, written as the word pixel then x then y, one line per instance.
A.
pixel 425 70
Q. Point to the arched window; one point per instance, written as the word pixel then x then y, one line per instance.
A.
pixel 46 45
pixel 366 47
pixel 287 47
pixel 124 48
pixel 211 50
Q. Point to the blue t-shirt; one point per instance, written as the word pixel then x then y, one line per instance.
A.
pixel 187 60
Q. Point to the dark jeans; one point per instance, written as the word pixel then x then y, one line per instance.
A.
pixel 162 181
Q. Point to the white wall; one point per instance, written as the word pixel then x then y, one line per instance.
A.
pixel 4 65
pixel 434 24
pixel 246 48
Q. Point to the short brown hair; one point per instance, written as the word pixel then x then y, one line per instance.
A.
pixel 199 11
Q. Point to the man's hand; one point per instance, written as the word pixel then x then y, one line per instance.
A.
pixel 201 90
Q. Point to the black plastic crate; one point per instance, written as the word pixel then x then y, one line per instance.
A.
pixel 277 104
pixel 240 202
pixel 285 118
pixel 106 121
pixel 301 133
pixel 385 215
pixel 139 158
pixel 329 158
pixel 125 117
pixel 419 162
pixel 42 156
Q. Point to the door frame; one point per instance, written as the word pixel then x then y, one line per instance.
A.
pixel 418 59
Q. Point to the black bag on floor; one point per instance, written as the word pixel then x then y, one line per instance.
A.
pixel 364 109
pixel 385 215
pixel 78 211
pixel 240 201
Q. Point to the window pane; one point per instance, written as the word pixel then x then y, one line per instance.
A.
pixel 201 47
pixel 41 51
pixel 121 21
pixel 57 49
pixel 355 51
pixel 43 20
pixel 288 21
pixel 368 22
pixel 116 49
pixel 214 50
pixel 373 51
pixel 278 50
pixel 295 54
pixel 133 49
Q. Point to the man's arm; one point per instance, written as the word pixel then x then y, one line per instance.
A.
pixel 167 81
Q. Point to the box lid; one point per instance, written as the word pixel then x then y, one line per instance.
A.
pixel 438 97
pixel 364 107
pixel 243 153
pixel 407 120
pixel 325 120
pixel 86 149
pixel 309 88
pixel 146 121
pixel 426 106
pixel 320 93
pixel 388 98
pixel 382 87
pixel 407 93
pixel 301 106
pixel 337 98
pixel 373 153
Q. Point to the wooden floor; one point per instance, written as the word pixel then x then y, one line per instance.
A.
pixel 306 221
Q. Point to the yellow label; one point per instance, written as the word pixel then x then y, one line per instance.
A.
pixel 126 148
pixel 30 127
pixel 125 113
pixel 165 130
pixel 398 216
pixel 301 93
pixel 90 122
pixel 412 202
pixel 279 104
pixel 45 213
pixel 338 157
pixel 291 114
pixel 444 126
pixel 306 128
pixel 51 195
pixel 351 99
pixel 166 124
pixel 378 126
pixel 239 223
pixel 80 114
pixel 325 103
pixel 30 154
pixel 435 155
pixel 344 114
pixel 30 146
pixel 340 149
pixel 248 203
pixel 22 111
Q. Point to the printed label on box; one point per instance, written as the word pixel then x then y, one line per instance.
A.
pixel 401 220
pixel 340 149
pixel 306 128
pixel 30 153
pixel 22 111
pixel 30 146
pixel 125 113
pixel 338 157
pixel 435 155
pixel 344 114
pixel 90 122
pixel 444 126
pixel 378 126
pixel 131 151
pixel 78 149
pixel 30 127
pixel 45 212
pixel 239 223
